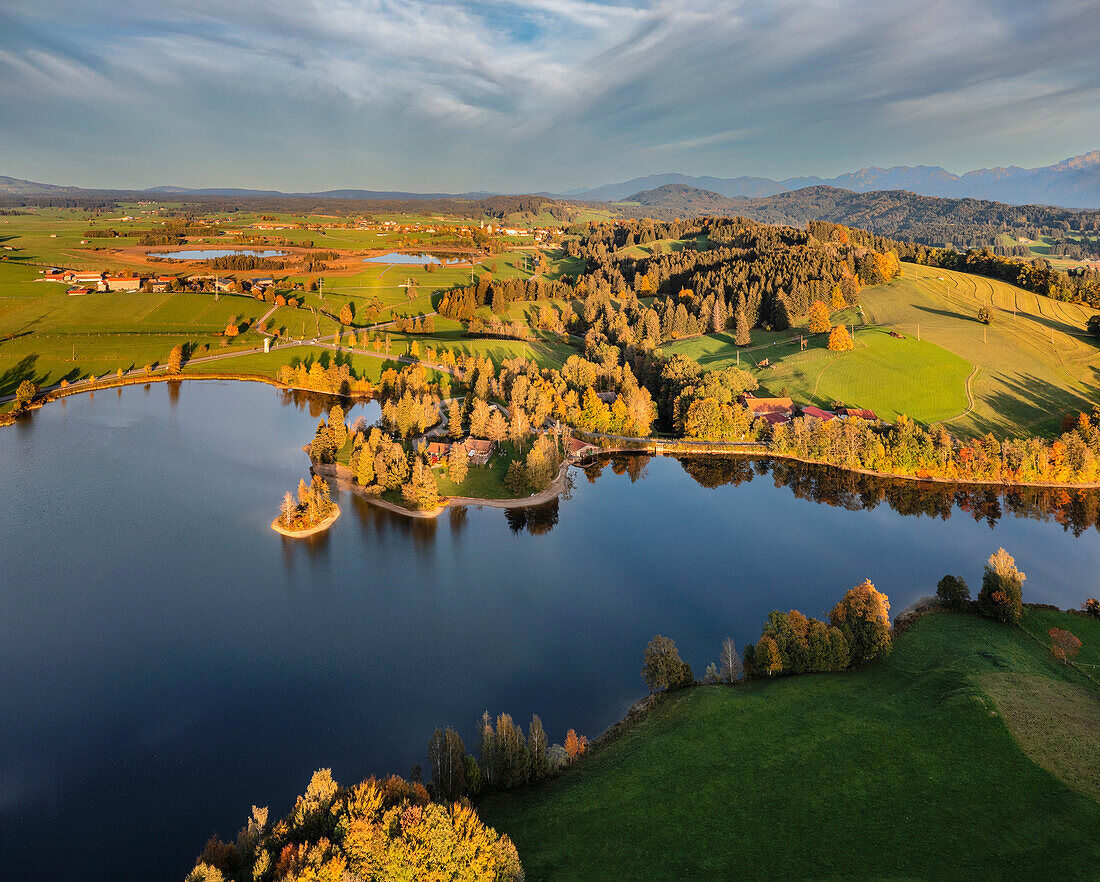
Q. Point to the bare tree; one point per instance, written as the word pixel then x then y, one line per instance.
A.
pixel 732 669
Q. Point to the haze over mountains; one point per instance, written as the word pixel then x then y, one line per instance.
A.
pixel 1072 183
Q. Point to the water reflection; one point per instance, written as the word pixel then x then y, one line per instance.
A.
pixel 1075 510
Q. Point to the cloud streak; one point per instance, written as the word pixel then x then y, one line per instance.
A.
pixel 539 94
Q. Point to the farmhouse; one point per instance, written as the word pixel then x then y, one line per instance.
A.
pixel 77 292
pixel 437 451
pixel 224 284
pixel 479 450
pixel 860 412
pixel 84 278
pixel 808 410
pixel 762 406
pixel 121 283
pixel 161 283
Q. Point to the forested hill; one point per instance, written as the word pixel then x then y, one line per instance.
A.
pixel 897 214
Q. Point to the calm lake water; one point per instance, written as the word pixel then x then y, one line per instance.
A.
pixel 210 254
pixel 417 259
pixel 168 660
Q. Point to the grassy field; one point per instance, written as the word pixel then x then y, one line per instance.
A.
pixel 905 769
pixel 47 336
pixel 1032 366
pixel 1019 375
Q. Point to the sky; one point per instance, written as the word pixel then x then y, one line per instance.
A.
pixel 530 95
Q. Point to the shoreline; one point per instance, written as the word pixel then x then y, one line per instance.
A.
pixel 345 480
pixel 651 446
pixel 319 527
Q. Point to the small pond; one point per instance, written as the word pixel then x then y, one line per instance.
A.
pixel 211 253
pixel 395 257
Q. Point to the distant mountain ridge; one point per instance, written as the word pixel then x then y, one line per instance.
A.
pixel 1071 183
pixel 899 214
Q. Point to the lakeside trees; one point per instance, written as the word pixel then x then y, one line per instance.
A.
pixel 662 667
pixel 374 830
pixel 312 506
pixel 1001 597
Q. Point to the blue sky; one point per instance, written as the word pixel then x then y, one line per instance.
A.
pixel 540 94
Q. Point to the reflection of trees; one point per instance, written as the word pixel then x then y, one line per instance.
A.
pixel 630 464
pixel 317 403
pixel 1075 510
pixel 535 519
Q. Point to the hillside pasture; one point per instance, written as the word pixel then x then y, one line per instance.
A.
pixel 1034 363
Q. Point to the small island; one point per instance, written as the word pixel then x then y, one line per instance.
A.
pixel 312 512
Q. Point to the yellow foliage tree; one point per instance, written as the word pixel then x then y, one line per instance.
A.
pixel 819 318
pixel 839 339
pixel 837 300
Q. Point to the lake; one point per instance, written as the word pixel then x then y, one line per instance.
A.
pixel 210 254
pixel 169 661
pixel 416 259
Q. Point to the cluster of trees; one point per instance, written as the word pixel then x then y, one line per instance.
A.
pixel 410 414
pixel 375 830
pixel 906 448
pixel 311 507
pixel 460 303
pixel 381 464
pixel 507 758
pixel 246 262
pixel 334 378
pixel 791 643
pixel 699 404
pixel 418 324
pixel 496 329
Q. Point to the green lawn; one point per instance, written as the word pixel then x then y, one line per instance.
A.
pixel 904 769
pixel 887 375
pixel 1034 363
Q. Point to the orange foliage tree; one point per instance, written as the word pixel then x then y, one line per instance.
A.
pixel 863 616
pixel 840 340
pixel 575 745
pixel 819 317
pixel 1064 645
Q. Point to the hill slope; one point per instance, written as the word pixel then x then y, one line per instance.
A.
pixel 904 769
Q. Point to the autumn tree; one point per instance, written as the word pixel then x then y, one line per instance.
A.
pixel 1001 597
pixel 479 418
pixel 496 429
pixel 346 316
pixel 176 358
pixel 338 429
pixel 1063 644
pixel 863 617
pixel 457 463
pixel 25 392
pixel 819 318
pixel 839 339
pixel 985 315
pixel 421 490
pixel 836 300
pixel 662 666
pixel 953 593
pixel 575 745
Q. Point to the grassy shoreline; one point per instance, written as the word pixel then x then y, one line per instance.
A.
pixel 904 769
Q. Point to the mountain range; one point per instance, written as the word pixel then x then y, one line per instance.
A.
pixel 1072 183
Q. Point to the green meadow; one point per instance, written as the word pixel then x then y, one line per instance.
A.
pixel 947 760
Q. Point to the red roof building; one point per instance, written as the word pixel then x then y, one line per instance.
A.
pixel 860 412
pixel 761 406
pixel 824 415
